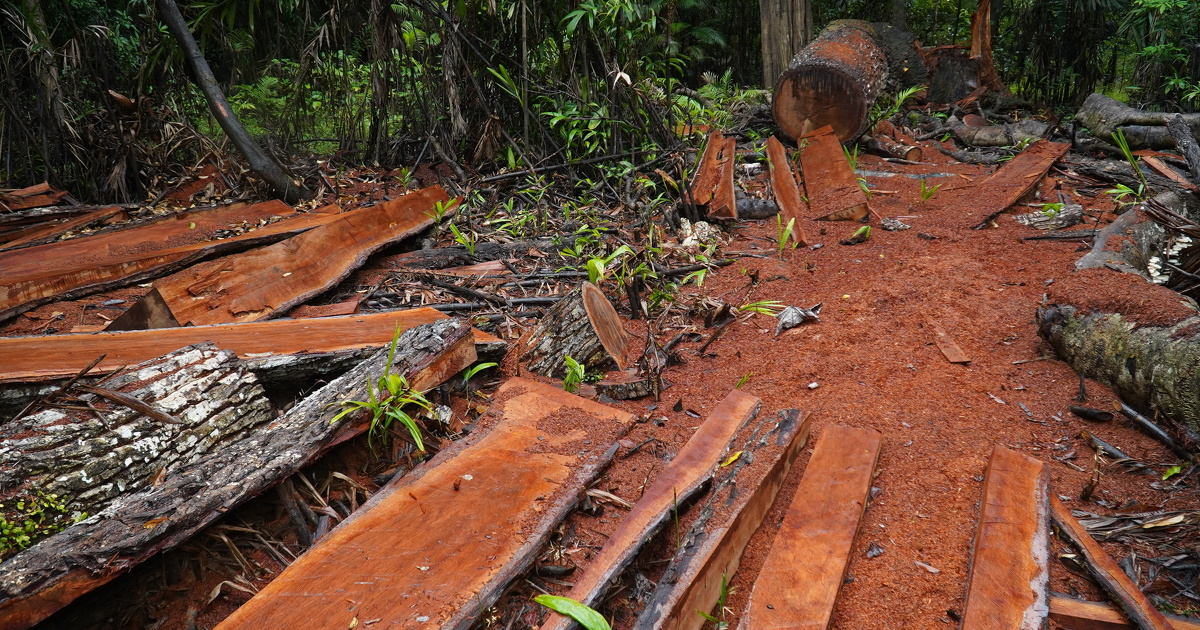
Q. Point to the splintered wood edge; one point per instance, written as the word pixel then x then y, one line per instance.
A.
pixel 606 323
pixel 1107 573
pixel 692 467
pixel 1078 614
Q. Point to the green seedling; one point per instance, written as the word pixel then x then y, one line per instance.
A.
pixel 575 374
pixel 745 379
pixel 1052 209
pixel 1172 471
pixel 31 516
pixel 1118 137
pixel 466 239
pixel 597 268
pixel 851 157
pixel 719 623
pixel 784 234
pixel 387 399
pixel 585 615
pixel 927 192
pixel 765 307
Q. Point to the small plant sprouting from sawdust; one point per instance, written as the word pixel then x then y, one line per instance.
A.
pixel 387 398
pixel 585 615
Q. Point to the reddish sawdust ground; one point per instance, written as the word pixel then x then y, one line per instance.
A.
pixel 874 364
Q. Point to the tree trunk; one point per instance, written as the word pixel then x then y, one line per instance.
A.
pixel 833 81
pixel 258 160
pixel 584 326
pixel 787 26
pixel 1186 143
pixel 1104 115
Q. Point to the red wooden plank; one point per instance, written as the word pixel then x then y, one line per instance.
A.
pixel 436 549
pixel 947 345
pixel 674 485
pixel 833 190
pixel 807 564
pixel 1076 614
pixel 985 200
pixel 43 232
pixel 708 170
pixel 724 203
pixel 787 192
pixel 264 282
pixel 1010 560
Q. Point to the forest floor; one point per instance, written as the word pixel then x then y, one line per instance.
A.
pixel 870 361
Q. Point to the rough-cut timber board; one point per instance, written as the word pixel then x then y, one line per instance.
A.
pixel 32 197
pixel 686 474
pixel 1106 572
pixel 62 356
pixel 1010 562
pixel 712 549
pixel 136 526
pixel 724 202
pixel 19 294
pixel 1168 172
pixel 42 232
pixel 439 547
pixel 709 170
pixel 947 345
pixel 833 191
pixel 800 578
pixel 787 192
pixel 179 230
pixel 1076 614
pixel 258 284
pixel 985 200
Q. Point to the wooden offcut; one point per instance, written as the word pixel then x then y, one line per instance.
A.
pixel 787 192
pixel 711 551
pixel 138 525
pixel 833 189
pixel 832 82
pixel 947 345
pixel 675 485
pixel 709 170
pixel 40 233
pixel 807 564
pixel 437 547
pixel 35 196
pixel 1112 579
pixel 1007 588
pixel 264 282
pixel 724 202
pixel 584 326
pixel 1076 614
pixel 984 200
pixel 277 345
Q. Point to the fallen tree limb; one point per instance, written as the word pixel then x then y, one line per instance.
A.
pixel 136 526
pixel 1185 141
pixel 1104 115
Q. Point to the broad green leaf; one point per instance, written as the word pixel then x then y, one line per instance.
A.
pixel 585 615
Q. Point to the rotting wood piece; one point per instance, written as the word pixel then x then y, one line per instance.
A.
pixel 114 449
pixel 1010 559
pixel 1104 569
pixel 262 283
pixel 136 526
pixel 437 547
pixel 832 82
pixel 740 498
pixel 785 189
pixel 833 189
pixel 1076 614
pixel 21 293
pixel 275 350
pixel 687 473
pixel 1015 179
pixel 807 563
pixel 584 326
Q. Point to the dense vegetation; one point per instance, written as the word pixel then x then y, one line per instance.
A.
pixel 484 83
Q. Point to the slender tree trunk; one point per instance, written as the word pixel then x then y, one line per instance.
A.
pixel 258 160
pixel 787 27
pixel 899 15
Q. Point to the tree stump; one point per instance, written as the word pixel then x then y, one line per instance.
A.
pixel 584 326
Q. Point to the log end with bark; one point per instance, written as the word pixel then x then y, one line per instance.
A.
pixel 584 326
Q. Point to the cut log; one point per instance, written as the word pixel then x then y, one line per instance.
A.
pixel 947 345
pixel 584 326
pixel 1010 560
pixel 1006 135
pixel 138 525
pixel 711 550
pixel 886 147
pixel 1017 178
pixel 1132 600
pixel 437 547
pixel 785 189
pixel 1104 115
pixel 833 190
pixel 35 196
pixel 627 385
pixel 832 82
pixel 22 292
pixel 1076 614
pixel 283 349
pixel 265 282
pixel 43 233
pixel 691 469
pixel 807 564
pixel 1149 367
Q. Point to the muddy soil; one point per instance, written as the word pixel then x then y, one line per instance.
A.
pixel 870 362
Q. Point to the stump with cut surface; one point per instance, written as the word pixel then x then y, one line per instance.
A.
pixel 437 547
pixel 833 81
pixel 584 326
